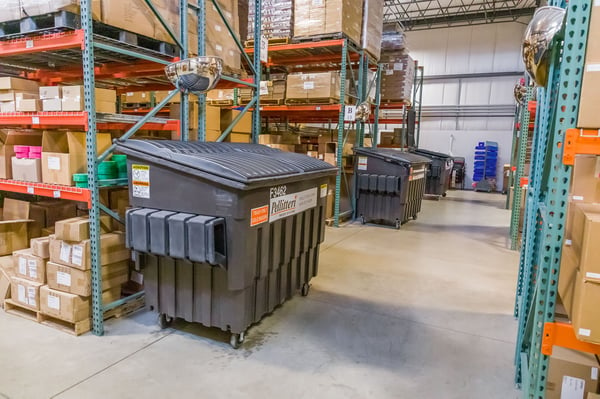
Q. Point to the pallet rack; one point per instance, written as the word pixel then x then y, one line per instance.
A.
pixel 83 55
pixel 328 55
pixel 546 206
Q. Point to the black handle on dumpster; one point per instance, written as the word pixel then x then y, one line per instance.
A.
pixel 216 244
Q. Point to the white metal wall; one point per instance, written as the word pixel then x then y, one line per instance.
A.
pixel 490 48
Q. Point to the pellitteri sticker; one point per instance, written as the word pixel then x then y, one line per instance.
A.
pixel 282 204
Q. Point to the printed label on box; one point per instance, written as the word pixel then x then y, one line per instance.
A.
pixel 283 205
pixel 572 388
pixel 63 278
pixel 264 89
pixel 323 190
pixel 21 294
pixel 53 302
pixel 140 181
pixel 594 373
pixel 317 3
pixel 259 215
pixel 593 68
pixel 363 162
pixel 23 266
pixel 32 266
pixel 31 296
pixel 65 252
pixel 77 255
pixel 585 332
pixel 54 163
pixel 309 85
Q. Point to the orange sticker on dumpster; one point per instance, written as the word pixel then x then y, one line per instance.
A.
pixel 259 215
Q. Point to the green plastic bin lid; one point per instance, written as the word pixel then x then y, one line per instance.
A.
pixel 80 177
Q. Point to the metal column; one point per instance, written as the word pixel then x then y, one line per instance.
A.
pixel 256 122
pixel 89 84
pixel 340 138
pixel 375 134
pixel 547 199
pixel 185 99
pixel 201 14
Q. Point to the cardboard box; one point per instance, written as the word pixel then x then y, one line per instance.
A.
pixel 585 180
pixel 48 212
pixel 64 154
pixel 41 247
pixel 78 228
pixel 13 226
pixel 243 126
pixel 8 139
pixel 50 92
pixel 27 169
pixel 7 83
pixel 328 16
pixel 313 85
pixel 28 105
pixel 77 254
pixel 79 282
pixel 25 293
pixel 64 306
pixel 133 15
pixel 73 99
pixel 212 134
pixel 36 7
pixel 569 265
pixel 28 266
pixel 14 95
pixel 52 105
pixel 372 27
pixel 585 316
pixel 571 373
pixel 589 117
pixel 592 395
pixel 136 97
pixel 584 235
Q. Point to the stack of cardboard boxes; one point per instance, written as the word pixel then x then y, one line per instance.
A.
pixel 327 17
pixel 277 19
pixel 311 87
pixel 53 276
pixel 398 76
pixel 18 95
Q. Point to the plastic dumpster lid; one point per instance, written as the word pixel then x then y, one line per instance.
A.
pixel 237 162
pixel 429 153
pixel 396 156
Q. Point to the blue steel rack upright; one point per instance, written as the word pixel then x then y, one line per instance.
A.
pixel 557 111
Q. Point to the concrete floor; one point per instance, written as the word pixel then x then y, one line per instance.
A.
pixel 424 312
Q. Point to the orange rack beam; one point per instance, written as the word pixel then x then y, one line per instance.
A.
pixel 580 141
pixel 47 190
pixel 563 335
pixel 41 43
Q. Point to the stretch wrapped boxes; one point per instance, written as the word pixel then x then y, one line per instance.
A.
pixel 372 27
pixel 589 117
pixel 324 17
pixel 277 19
pixel 398 76
pixel 17 9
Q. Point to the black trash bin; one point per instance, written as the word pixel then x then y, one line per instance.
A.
pixel 390 185
pixel 223 232
pixel 439 172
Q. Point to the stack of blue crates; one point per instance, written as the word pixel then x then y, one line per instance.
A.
pixel 486 161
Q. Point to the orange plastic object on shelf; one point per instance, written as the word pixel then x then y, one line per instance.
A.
pixel 563 335
pixel 580 141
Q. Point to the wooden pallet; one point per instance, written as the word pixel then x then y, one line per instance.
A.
pixel 323 37
pixel 399 101
pixel 264 102
pixel 77 328
pixel 220 103
pixel 237 73
pixel 312 101
pixel 17 309
pixel 274 41
pixel 126 309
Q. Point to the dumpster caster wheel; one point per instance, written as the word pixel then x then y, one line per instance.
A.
pixel 362 220
pixel 444 195
pixel 414 217
pixel 305 289
pixel 398 224
pixel 236 340
pixel 164 321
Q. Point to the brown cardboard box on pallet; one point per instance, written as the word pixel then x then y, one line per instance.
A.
pixel 77 254
pixel 321 85
pixel 79 282
pixel 313 18
pixel 46 213
pixel 73 99
pixel 28 266
pixel 40 247
pixel 585 316
pixel 8 139
pixel 589 117
pixel 30 8
pixel 571 373
pixel 63 305
pixel 24 85
pixel 25 293
pixel 243 126
pixel 133 15
pixel 63 154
